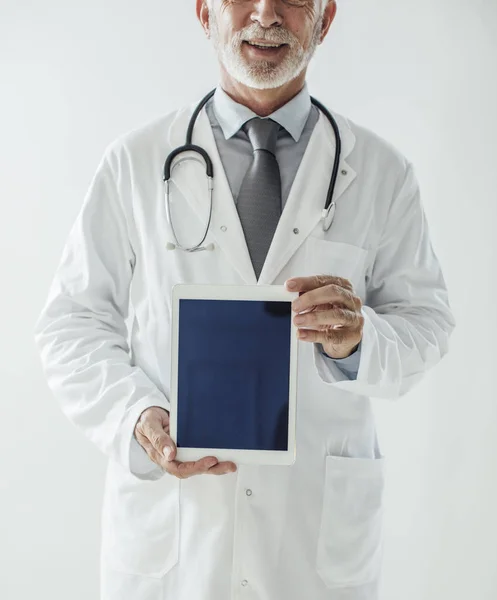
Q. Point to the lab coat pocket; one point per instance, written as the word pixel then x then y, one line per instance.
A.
pixel 337 259
pixel 140 525
pixel 350 536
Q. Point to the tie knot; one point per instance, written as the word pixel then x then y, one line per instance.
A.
pixel 263 134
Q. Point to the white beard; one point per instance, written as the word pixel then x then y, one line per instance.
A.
pixel 263 74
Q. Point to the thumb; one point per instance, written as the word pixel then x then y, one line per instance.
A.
pixel 159 439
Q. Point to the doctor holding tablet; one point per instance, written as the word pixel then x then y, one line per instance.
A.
pixel 269 188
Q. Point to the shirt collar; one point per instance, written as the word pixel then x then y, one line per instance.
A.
pixel 232 116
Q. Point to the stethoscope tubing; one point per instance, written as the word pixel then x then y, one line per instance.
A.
pixel 329 207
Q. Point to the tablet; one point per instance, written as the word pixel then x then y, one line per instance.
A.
pixel 234 374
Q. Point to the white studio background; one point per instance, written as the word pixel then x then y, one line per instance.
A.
pixel 422 74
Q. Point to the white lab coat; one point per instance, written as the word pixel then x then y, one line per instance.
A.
pixel 311 530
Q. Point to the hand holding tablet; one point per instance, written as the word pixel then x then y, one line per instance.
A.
pixel 152 433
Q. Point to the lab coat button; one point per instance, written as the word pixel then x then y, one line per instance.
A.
pixel 244 582
pixel 344 172
pixel 296 231
pixel 224 228
pixel 249 492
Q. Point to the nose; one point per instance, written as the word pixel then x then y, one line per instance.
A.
pixel 266 14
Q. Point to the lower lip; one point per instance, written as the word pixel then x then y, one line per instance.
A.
pixel 264 52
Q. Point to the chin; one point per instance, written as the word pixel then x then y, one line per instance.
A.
pixel 262 84
pixel 266 82
pixel 265 77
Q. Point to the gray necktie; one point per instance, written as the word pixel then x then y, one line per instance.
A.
pixel 259 200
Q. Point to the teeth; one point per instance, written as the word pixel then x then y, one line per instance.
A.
pixel 265 45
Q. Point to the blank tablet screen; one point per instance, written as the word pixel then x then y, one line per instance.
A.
pixel 233 374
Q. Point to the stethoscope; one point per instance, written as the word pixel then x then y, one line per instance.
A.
pixel 329 208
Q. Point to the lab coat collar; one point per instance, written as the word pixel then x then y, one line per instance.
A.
pixel 302 211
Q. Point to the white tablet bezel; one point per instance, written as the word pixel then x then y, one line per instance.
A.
pixel 234 292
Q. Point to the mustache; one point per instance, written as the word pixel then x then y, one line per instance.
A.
pixel 275 35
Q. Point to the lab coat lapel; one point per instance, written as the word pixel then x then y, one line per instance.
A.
pixel 225 227
pixel 307 197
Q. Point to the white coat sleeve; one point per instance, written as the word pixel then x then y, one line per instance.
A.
pixel 408 320
pixel 81 334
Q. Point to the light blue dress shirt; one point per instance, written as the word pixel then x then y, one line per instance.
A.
pixel 297 118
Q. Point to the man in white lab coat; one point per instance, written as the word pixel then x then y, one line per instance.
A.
pixel 217 531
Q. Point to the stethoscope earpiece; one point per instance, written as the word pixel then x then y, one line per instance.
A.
pixel 328 215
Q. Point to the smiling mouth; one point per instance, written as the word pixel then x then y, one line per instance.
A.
pixel 268 46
